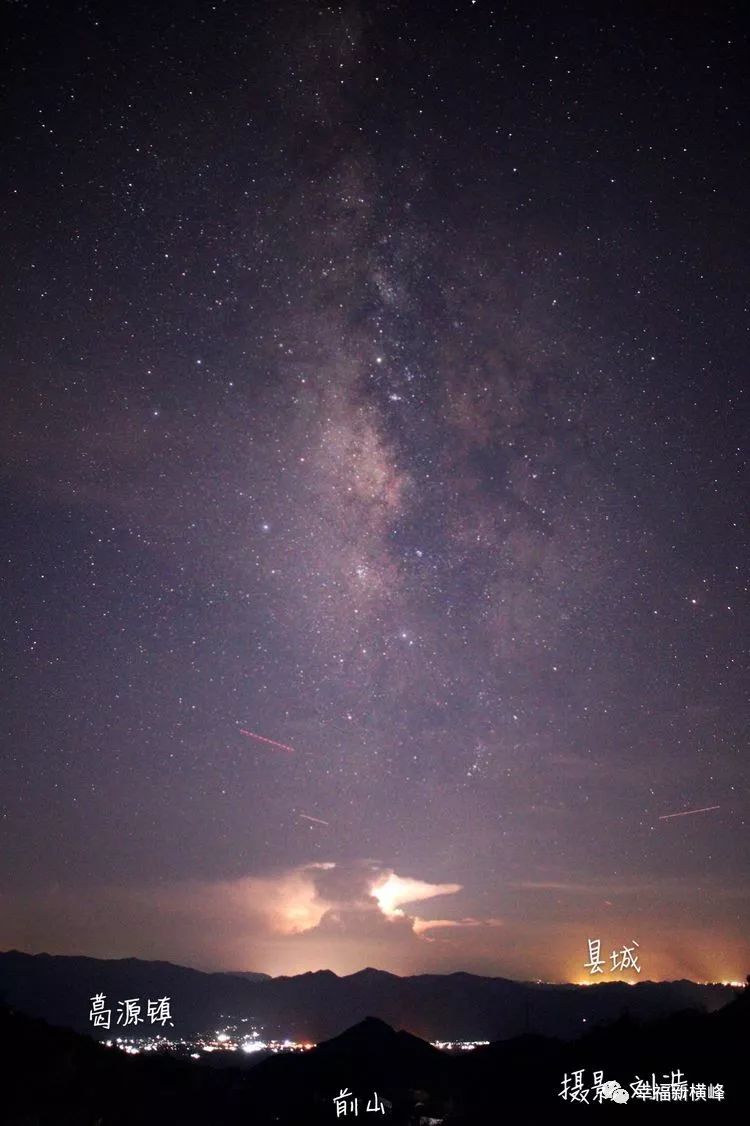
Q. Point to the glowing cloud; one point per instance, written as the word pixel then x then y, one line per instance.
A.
pixel 391 891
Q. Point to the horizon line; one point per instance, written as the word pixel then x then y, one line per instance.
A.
pixel 375 970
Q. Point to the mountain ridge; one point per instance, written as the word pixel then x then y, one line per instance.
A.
pixel 319 1004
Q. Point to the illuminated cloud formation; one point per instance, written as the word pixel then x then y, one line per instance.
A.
pixel 364 895
pixel 391 891
pixel 425 926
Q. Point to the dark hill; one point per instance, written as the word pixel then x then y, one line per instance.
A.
pixel 371 1060
pixel 54 1077
pixel 317 1006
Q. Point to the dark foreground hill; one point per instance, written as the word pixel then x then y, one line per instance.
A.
pixel 316 1006
pixel 55 1077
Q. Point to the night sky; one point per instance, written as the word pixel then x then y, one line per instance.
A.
pixel 373 385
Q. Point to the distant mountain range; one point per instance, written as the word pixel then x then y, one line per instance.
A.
pixel 317 1006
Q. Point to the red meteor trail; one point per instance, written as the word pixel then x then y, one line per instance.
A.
pixel 687 812
pixel 262 739
pixel 317 820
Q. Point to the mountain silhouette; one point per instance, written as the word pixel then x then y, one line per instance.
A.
pixel 56 1077
pixel 317 1006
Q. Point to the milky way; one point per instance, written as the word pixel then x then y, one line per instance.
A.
pixel 373 396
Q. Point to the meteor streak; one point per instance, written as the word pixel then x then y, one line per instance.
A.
pixel 317 820
pixel 262 739
pixel 687 812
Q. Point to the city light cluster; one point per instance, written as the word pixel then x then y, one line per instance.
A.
pixel 206 1044
pixel 230 1040
pixel 458 1045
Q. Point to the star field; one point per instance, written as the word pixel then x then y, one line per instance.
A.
pixel 373 387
